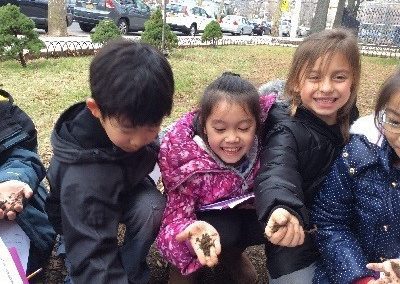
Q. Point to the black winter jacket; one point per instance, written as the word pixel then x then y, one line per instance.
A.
pixel 88 177
pixel 297 153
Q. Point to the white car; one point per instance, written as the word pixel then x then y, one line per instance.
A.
pixel 236 25
pixel 187 19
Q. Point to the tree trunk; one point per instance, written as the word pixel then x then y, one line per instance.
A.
pixel 276 19
pixel 319 21
pixel 57 18
pixel 339 14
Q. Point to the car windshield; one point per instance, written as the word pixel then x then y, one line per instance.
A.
pixel 174 8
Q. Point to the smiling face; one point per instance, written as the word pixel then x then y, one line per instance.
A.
pixel 230 131
pixel 393 117
pixel 327 87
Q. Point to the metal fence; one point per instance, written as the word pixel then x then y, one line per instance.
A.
pixel 56 48
pixel 379 23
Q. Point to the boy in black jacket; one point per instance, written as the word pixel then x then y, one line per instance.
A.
pixel 103 153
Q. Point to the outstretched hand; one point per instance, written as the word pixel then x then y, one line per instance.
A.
pixel 204 240
pixel 390 269
pixel 284 229
pixel 12 193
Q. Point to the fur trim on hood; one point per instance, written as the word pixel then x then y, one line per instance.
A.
pixel 277 87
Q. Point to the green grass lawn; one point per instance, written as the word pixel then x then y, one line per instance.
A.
pixel 47 86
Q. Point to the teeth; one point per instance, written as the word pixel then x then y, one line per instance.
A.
pixel 232 150
pixel 326 100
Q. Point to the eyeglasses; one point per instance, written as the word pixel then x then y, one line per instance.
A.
pixel 391 125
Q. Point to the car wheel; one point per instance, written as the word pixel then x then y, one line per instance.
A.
pixel 123 26
pixel 192 30
pixel 86 27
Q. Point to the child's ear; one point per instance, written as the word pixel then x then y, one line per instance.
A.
pixel 93 107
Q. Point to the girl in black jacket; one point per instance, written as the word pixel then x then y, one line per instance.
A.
pixel 301 140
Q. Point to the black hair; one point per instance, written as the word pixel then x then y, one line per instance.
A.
pixel 232 88
pixel 389 88
pixel 132 81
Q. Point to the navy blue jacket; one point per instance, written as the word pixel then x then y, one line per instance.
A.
pixel 19 161
pixel 357 212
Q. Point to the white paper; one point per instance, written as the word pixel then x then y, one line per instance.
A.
pixel 13 236
pixel 8 271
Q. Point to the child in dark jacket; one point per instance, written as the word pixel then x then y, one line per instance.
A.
pixel 357 211
pixel 21 173
pixel 104 150
pixel 301 141
pixel 208 156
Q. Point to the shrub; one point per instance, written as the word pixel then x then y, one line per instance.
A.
pixel 212 32
pixel 105 30
pixel 153 32
pixel 17 34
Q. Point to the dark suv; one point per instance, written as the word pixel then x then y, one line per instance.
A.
pixel 129 15
pixel 37 10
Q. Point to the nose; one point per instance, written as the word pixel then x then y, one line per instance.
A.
pixel 232 137
pixel 325 85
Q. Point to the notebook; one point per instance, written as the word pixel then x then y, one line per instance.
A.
pixel 227 203
pixel 11 270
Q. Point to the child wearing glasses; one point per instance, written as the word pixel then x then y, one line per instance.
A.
pixel 357 211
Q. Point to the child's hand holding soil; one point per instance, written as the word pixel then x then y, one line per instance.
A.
pixel 284 229
pixel 390 269
pixel 12 194
pixel 204 240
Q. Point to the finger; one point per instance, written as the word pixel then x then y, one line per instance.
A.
pixel 11 215
pixel 184 235
pixel 28 192
pixel 287 239
pixel 212 260
pixel 217 246
pixel 375 266
pixel 1 214
pixel 18 207
pixel 281 216
pixel 277 237
pixel 296 236
pixel 200 255
pixel 303 235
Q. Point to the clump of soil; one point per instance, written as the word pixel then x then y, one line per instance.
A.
pixel 205 243
pixel 275 228
pixel 12 200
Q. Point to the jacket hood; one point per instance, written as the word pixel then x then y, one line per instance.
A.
pixel 79 137
pixel 184 154
pixel 277 87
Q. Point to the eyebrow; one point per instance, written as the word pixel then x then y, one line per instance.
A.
pixel 223 121
pixel 395 112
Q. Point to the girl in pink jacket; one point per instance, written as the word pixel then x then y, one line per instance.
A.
pixel 208 160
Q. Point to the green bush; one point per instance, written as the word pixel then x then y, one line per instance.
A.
pixel 212 32
pixel 153 32
pixel 17 35
pixel 105 30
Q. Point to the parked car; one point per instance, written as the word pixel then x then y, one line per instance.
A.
pixel 261 28
pixel 236 25
pixel 303 31
pixel 284 28
pixel 187 19
pixel 128 15
pixel 37 10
